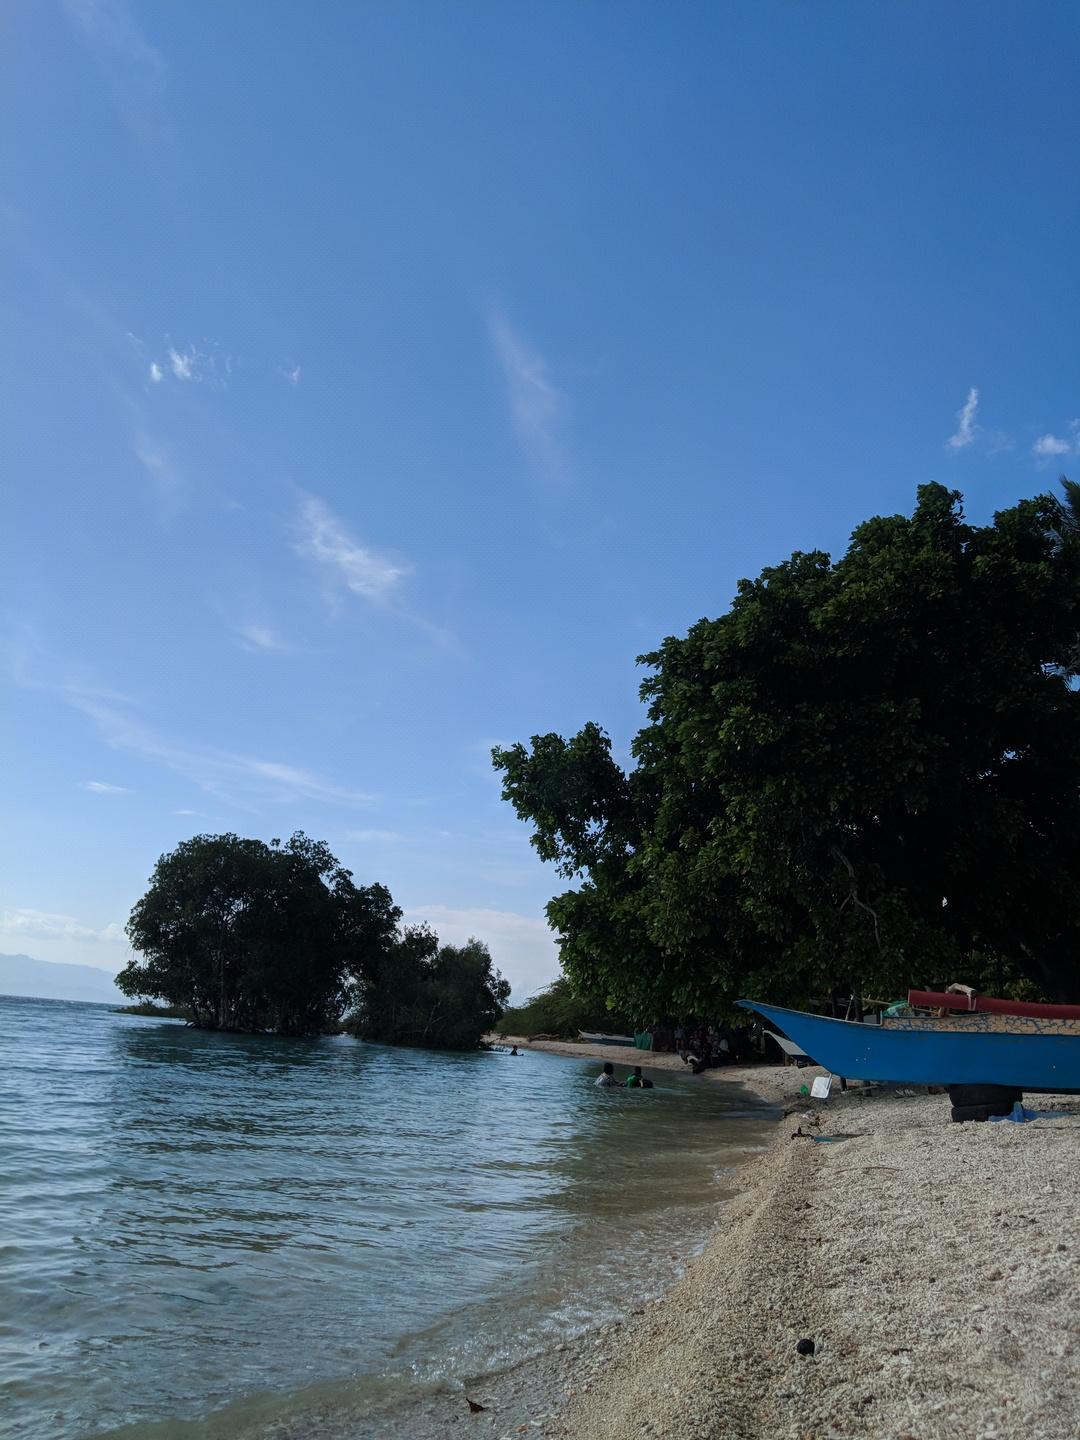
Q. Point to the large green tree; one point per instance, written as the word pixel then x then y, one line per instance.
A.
pixel 253 937
pixel 866 773
pixel 418 992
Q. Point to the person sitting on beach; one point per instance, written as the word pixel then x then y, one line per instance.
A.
pixel 637 1081
pixel 608 1077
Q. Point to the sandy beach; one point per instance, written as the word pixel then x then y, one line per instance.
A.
pixel 933 1265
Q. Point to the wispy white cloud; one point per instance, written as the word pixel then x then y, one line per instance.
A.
pixel 154 458
pixel 182 365
pixel 209 365
pixel 537 406
pixel 133 70
pixel 99 787
pixel 964 434
pixel 43 925
pixel 260 639
pixel 212 366
pixel 343 563
pixel 291 373
pixel 244 780
pixel 377 837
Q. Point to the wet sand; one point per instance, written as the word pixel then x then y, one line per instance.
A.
pixel 622 1056
pixel 933 1265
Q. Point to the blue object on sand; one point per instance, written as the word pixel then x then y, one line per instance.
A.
pixel 932 1053
pixel 1017 1113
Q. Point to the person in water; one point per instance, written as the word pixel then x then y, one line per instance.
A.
pixel 637 1081
pixel 608 1077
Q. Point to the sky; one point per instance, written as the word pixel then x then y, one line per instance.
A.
pixel 379 380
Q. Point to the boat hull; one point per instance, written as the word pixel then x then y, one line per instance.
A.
pixel 1047 1063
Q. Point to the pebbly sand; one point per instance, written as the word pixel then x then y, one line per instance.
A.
pixel 933 1265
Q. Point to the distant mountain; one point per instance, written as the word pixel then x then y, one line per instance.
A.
pixel 42 980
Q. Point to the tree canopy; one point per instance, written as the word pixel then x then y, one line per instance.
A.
pixel 418 992
pixel 249 936
pixel 865 774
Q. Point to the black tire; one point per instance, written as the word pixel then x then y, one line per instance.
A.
pixel 992 1095
pixel 961 1113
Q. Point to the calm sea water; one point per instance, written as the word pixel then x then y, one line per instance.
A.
pixel 211 1235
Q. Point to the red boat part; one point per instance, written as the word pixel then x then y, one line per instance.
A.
pixel 942 1000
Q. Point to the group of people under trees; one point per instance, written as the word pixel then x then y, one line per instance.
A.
pixel 702 1046
pixel 634 1081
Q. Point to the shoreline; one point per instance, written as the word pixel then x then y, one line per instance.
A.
pixel 626 1055
pixel 932 1264
pixel 765 1081
pixel 530 1396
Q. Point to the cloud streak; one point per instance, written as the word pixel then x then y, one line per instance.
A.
pixel 348 568
pixel 167 482
pixel 964 434
pixel 99 787
pixel 42 925
pixel 537 406
pixel 134 72
pixel 260 639
pixel 246 781
pixel 342 562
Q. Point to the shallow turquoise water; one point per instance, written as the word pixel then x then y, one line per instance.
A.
pixel 190 1221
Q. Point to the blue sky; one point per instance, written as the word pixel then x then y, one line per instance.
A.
pixel 379 380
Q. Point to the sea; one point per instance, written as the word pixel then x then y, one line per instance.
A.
pixel 207 1235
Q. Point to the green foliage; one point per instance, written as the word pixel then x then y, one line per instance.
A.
pixel 240 935
pixel 560 1010
pixel 254 937
pixel 418 992
pixel 866 773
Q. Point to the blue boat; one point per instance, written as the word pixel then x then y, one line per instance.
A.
pixel 1027 1054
